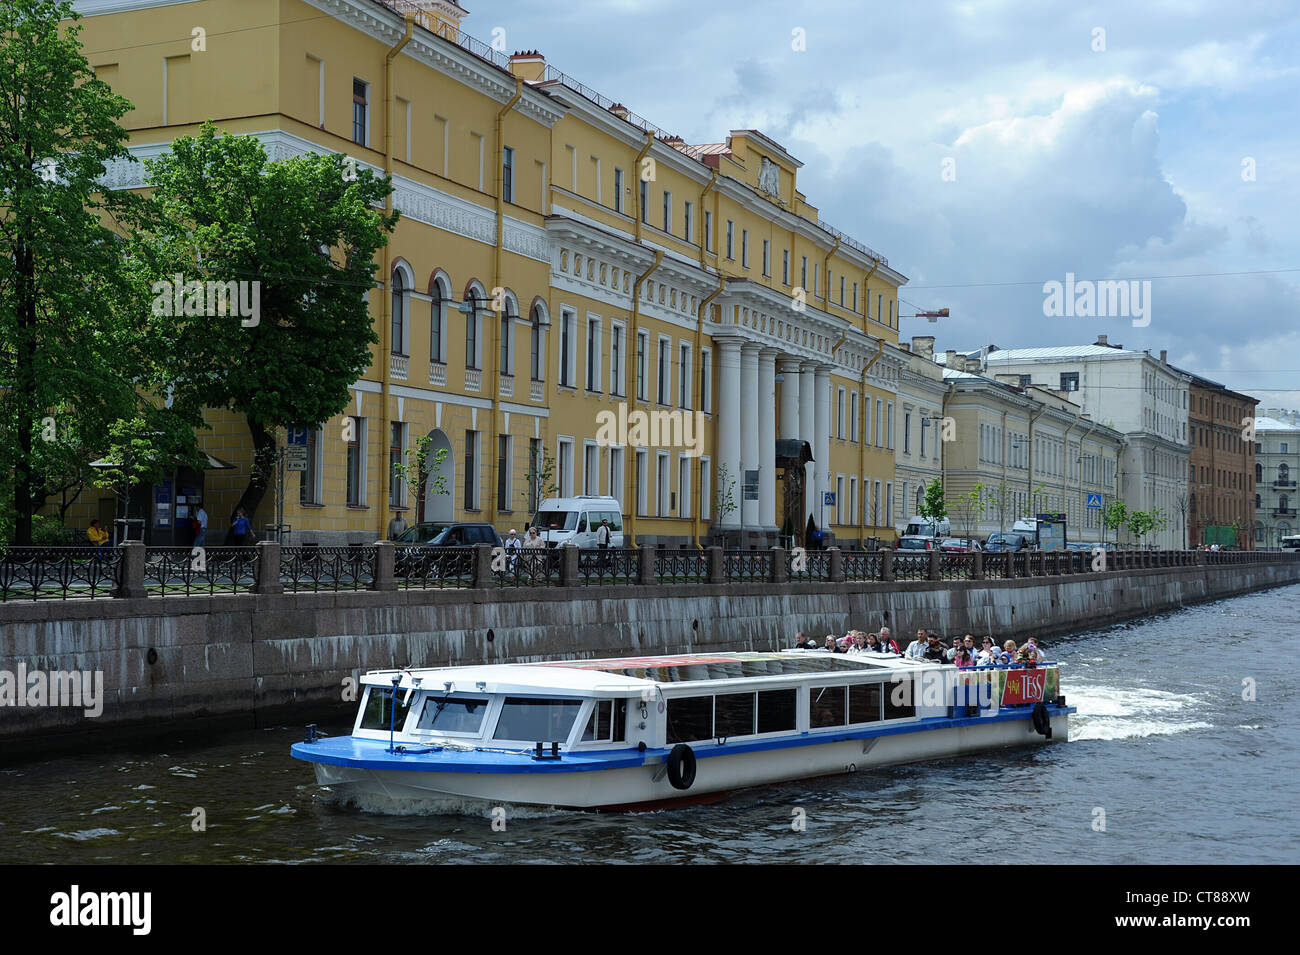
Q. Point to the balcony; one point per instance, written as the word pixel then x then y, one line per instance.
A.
pixel 1283 512
pixel 507 387
pixel 473 379
pixel 438 374
pixel 536 390
pixel 399 367
pixel 1280 485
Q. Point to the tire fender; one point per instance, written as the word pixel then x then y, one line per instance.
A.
pixel 681 766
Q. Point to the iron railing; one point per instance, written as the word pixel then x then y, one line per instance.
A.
pixel 434 567
pixel 531 567
pixel 200 570
pixel 34 573
pixel 911 566
pixel 681 567
pixel 312 567
pixel 863 565
pixel 747 565
pixel 811 565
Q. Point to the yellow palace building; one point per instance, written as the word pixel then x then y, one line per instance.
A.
pixel 574 301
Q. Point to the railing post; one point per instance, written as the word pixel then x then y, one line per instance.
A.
pixel 267 578
pixel 483 566
pixel 131 581
pixel 647 575
pixel 569 565
pixel 385 558
pixel 780 573
pixel 887 564
pixel 836 568
pixel 933 572
pixel 977 566
pixel 717 574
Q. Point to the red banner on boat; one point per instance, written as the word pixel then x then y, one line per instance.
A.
pixel 1024 686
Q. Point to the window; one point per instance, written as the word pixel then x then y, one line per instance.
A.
pixel 360 125
pixel 841 290
pixel 706 381
pixel 925 423
pixel 733 714
pixel 641 345
pixel 356 463
pixel 536 356
pixel 900 700
pixel 542 720
pixel 706 489
pixel 309 486
pixel 816 271
pixel 839 414
pixel 662 485
pixel 731 240
pixel 708 231
pixel 744 248
pixel 880 307
pixel 689 719
pixel 445 714
pixel 396 445
pixel 645 201
pixel 665 371
pixel 767 257
pixel 503 472
pixel 907 432
pixel 1069 381
pixel 866 702
pixel 534 472
pixel 379 715
pixel 401 297
pixel 471 470
pixel 668 211
pixel 616 360
pixel 567 345
pixel 826 706
pixel 785 266
pixel 591 468
pixel 437 350
pixel 684 376
pixel 683 486
pixel 507 174
pixel 471 331
pixel 507 331
pixel 618 189
pixel 616 486
pixel 642 479
pixel 564 467
pixel 593 353
pixel 855 296
pixel 608 722
pixel 803 274
pixel 853 416
pixel 686 222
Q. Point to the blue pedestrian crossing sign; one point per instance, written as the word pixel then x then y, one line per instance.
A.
pixel 828 499
pixel 1094 500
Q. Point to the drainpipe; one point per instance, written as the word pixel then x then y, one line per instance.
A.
pixel 636 165
pixel 862 440
pixel 826 271
pixel 713 181
pixel 699 342
pixel 866 296
pixel 386 323
pixel 497 283
pixel 630 472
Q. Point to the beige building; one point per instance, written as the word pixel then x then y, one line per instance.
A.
pixel 919 445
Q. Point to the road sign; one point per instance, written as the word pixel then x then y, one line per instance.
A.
pixel 295 458
pixel 828 499
pixel 1094 500
pixel 297 437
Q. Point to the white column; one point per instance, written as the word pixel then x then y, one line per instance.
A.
pixel 767 438
pixel 727 428
pixel 748 426
pixel 789 369
pixel 822 444
pixel 808 432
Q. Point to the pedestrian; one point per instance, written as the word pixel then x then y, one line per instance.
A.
pixel 534 541
pixel 604 536
pixel 397 527
pixel 201 535
pixel 98 537
pixel 241 529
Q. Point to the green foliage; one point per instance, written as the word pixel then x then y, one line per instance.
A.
pixel 1143 522
pixel 1114 515
pixel 933 507
pixel 541 477
pixel 974 505
pixel 414 472
pixel 724 501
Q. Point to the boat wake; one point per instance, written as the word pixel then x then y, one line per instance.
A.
pixel 433 806
pixel 1110 713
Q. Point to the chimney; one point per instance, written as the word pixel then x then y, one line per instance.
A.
pixel 905 346
pixel 528 65
pixel 923 345
pixel 619 110
pixel 953 360
pixel 1008 379
pixel 1164 356
pixel 974 366
pixel 1101 340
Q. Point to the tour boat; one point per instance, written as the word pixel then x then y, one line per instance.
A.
pixel 649 732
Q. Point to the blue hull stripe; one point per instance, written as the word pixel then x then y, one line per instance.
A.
pixel 373 754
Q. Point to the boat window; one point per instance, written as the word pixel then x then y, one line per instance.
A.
pixel 690 718
pixel 864 702
pixel 900 701
pixel 378 709
pixel 733 714
pixel 825 706
pixel 448 715
pixel 540 720
pixel 776 710
pixel 608 721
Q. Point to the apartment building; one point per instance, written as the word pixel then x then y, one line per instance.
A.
pixel 1221 468
pixel 1277 464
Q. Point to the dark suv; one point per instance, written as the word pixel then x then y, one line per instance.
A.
pixel 410 558
pixel 1011 543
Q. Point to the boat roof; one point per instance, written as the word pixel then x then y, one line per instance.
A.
pixel 630 674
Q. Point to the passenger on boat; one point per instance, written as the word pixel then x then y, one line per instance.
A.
pixel 872 644
pixel 846 644
pixel 830 644
pixel 951 653
pixel 935 652
pixel 963 659
pixel 803 643
pixel 887 644
pixel 1009 651
pixel 985 657
pixel 916 649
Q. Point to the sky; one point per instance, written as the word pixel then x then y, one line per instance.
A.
pixel 988 148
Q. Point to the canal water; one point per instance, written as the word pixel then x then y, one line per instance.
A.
pixel 1167 763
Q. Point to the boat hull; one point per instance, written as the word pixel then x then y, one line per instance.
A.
pixel 646 786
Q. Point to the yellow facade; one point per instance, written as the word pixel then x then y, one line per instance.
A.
pixel 723 270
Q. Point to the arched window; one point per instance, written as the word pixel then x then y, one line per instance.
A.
pixel 1259 473
pixel 508 315
pixel 400 299
pixel 474 300
pixel 537 358
pixel 437 345
pixel 1282 503
pixel 1283 472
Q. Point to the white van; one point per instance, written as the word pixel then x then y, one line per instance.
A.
pixel 920 526
pixel 575 520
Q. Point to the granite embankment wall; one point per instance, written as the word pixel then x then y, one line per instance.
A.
pixel 179 663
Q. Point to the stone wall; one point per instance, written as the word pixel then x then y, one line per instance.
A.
pixel 174 663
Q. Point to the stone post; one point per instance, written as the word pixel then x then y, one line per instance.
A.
pixel 267 580
pixel 717 574
pixel 780 573
pixel 836 568
pixel 933 573
pixel 887 565
pixel 131 581
pixel 647 576
pixel 569 565
pixel 385 557
pixel 977 566
pixel 483 567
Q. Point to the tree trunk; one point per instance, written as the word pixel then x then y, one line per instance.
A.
pixel 259 479
pixel 25 388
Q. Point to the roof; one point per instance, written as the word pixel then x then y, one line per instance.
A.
pixel 1058 352
pixel 1265 423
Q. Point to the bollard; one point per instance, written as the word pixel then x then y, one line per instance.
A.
pixel 647 575
pixel 385 558
pixel 717 574
pixel 569 565
pixel 130 583
pixel 933 573
pixel 483 566
pixel 267 579
pixel 780 572
pixel 887 565
pixel 836 567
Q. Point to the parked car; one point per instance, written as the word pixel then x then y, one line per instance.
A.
pixel 915 544
pixel 1006 543
pixel 959 545
pixel 428 534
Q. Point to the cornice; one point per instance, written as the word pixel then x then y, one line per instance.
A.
pixel 96 8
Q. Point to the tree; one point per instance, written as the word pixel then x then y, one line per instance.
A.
pixel 1114 516
pixel 1181 504
pixel 933 507
pixel 1143 522
pixel 414 472
pixel 75 355
pixel 541 477
pixel 973 505
pixel 724 502
pixel 302 234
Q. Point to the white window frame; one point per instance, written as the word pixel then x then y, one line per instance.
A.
pixel 668 212
pixel 641 463
pixel 564 464
pixel 616 472
pixel 590 451
pixel 731 240
pixel 853 417
pixel 706 380
pixel 767 258
pixel 687 222
pixel 619 188
pixel 839 413
pixel 569 351
pixel 617 357
pixel 663 484
pixel 594 345
pixel 685 375
pixel 683 485
pixel 706 488
pixel 664 372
